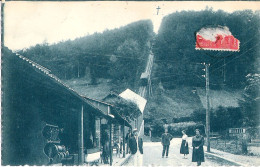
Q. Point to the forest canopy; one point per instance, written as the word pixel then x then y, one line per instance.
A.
pixel 99 55
pixel 176 56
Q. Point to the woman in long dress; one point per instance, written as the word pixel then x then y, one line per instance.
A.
pixel 184 145
pixel 198 152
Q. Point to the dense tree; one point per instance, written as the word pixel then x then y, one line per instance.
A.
pixel 221 118
pixel 199 115
pixel 125 62
pixel 127 109
pixel 176 55
pixel 92 54
pixel 251 101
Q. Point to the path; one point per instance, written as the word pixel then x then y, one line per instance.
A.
pixel 152 156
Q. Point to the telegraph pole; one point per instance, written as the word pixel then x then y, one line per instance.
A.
pixel 224 70
pixel 207 109
pixel 2 22
pixel 80 137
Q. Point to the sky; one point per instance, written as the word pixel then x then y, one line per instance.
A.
pixel 29 23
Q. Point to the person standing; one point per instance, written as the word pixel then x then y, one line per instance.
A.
pixel 184 144
pixel 121 145
pixel 128 135
pixel 105 146
pixel 198 152
pixel 244 144
pixel 166 141
pixel 136 148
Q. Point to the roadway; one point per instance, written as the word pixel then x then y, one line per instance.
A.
pixel 153 156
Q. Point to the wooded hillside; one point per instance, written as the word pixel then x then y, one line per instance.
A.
pixel 178 60
pixel 117 54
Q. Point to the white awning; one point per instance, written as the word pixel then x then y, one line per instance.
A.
pixel 135 98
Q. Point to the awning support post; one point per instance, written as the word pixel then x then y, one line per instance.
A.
pixel 110 144
pixel 80 137
pixel 123 139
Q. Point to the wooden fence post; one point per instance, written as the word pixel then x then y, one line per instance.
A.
pixel 124 140
pixel 225 141
pixel 236 142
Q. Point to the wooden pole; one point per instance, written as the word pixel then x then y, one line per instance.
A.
pixel 119 139
pixel 2 22
pixel 124 140
pixel 81 142
pixel 225 141
pixel 236 142
pixel 99 132
pixel 224 70
pixel 207 109
pixel 110 144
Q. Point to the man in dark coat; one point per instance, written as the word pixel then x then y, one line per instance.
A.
pixel 166 141
pixel 128 135
pixel 136 148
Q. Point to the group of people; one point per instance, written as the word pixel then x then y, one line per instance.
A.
pixel 135 147
pixel 133 142
pixel 197 144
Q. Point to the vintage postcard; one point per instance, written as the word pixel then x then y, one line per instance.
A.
pixel 130 83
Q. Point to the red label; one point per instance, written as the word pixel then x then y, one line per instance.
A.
pixel 224 43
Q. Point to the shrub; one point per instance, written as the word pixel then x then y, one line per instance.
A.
pixel 176 128
pixel 157 128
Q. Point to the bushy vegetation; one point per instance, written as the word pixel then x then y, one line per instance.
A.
pixel 157 128
pixel 190 127
pixel 250 103
pixel 221 118
pixel 126 109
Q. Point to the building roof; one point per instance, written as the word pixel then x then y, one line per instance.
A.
pixel 91 99
pixel 99 105
pixel 61 85
pixel 84 99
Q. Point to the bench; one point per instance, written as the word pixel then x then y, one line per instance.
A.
pixel 92 157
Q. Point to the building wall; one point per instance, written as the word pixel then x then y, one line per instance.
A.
pixel 22 141
pixel 30 99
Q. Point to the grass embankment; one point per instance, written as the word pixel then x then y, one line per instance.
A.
pixel 175 103
pixel 98 91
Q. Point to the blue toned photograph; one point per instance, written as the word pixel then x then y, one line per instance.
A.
pixel 130 83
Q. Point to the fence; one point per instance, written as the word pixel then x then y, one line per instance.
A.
pixel 234 141
pixel 236 131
